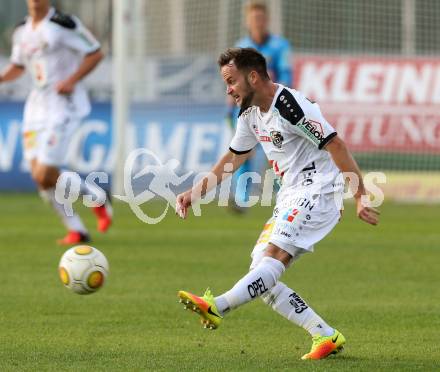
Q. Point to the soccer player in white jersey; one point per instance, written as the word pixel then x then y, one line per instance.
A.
pixel 307 154
pixel 58 52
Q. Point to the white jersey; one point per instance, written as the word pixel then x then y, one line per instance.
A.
pixel 292 133
pixel 51 52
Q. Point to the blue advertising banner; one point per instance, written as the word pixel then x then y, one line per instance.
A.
pixel 195 135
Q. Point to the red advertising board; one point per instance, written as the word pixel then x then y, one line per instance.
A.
pixel 376 104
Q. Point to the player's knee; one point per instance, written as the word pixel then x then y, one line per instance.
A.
pixel 35 176
pixel 34 170
pixel 272 294
pixel 278 253
pixel 45 178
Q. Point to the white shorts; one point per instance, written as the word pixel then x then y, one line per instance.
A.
pixel 48 144
pixel 298 223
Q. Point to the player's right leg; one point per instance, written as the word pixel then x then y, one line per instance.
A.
pixel 287 229
pixel 205 306
pixel 54 152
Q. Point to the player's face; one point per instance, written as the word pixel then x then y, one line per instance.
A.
pixel 237 85
pixel 258 24
pixel 38 4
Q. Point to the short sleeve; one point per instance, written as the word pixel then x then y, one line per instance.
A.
pixel 17 53
pixel 304 118
pixel 79 38
pixel 244 139
pixel 314 126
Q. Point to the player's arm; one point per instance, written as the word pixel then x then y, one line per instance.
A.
pixel 73 35
pixel 227 165
pixel 11 72
pixel 346 163
pixel 89 62
pixel 16 66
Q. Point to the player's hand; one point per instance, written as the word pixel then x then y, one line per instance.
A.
pixel 183 202
pixel 65 87
pixel 368 214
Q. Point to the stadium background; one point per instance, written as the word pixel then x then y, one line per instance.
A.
pixel 373 67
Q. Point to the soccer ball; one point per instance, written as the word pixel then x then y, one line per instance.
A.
pixel 83 269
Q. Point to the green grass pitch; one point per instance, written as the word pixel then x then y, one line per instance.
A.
pixel 379 286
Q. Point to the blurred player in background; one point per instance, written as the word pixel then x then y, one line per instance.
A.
pixel 58 52
pixel 278 54
pixel 308 156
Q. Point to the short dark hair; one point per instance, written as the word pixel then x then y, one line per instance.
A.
pixel 246 59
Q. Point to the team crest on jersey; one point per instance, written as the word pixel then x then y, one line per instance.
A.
pixel 277 138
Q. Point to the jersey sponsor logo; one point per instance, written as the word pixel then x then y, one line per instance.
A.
pixel 261 137
pixel 277 138
pixel 297 302
pixel 31 50
pixel 265 139
pixel 299 203
pixel 290 215
pixel 312 129
pixel 306 203
pixel 257 288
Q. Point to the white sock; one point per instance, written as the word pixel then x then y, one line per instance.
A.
pixel 72 223
pixel 290 305
pixel 255 283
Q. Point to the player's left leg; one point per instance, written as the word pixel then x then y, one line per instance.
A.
pixel 46 177
pixel 254 284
